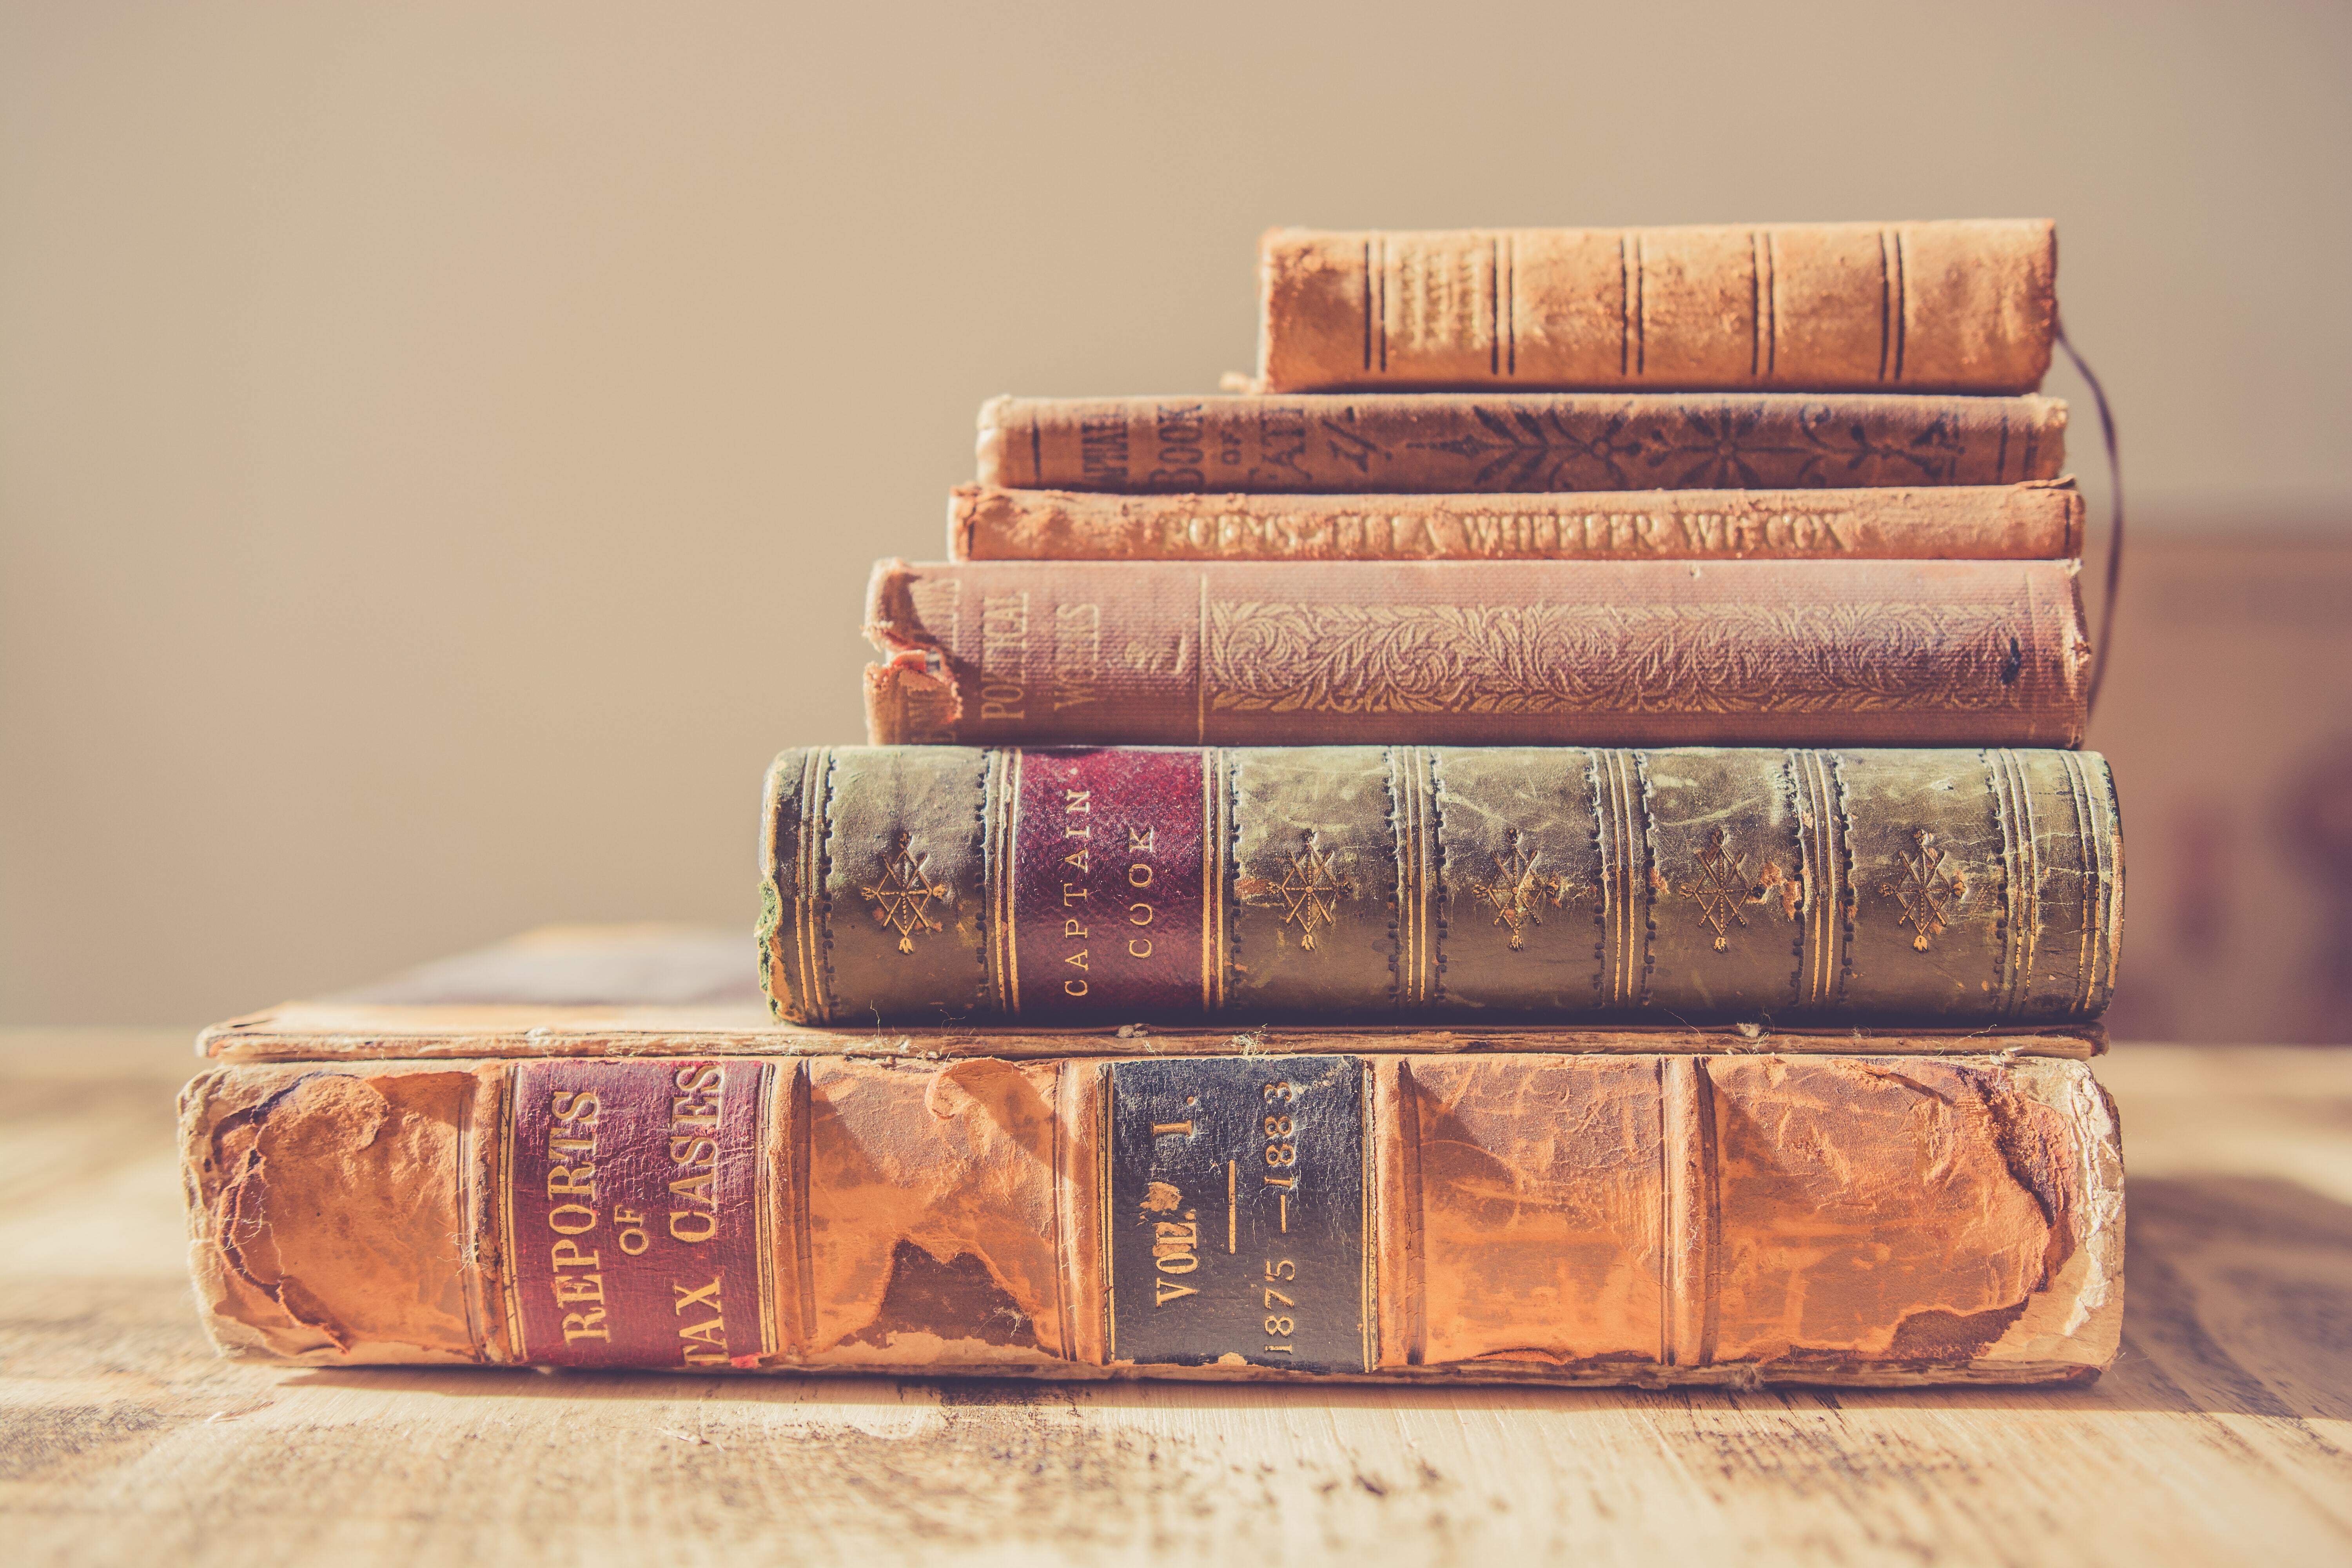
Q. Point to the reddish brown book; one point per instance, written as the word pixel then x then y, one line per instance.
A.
pixel 1796 653
pixel 1528 1220
pixel 1967 306
pixel 1504 440
pixel 2028 522
pixel 613 1159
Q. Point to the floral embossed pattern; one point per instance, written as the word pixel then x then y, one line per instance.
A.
pixel 1271 657
pixel 1719 443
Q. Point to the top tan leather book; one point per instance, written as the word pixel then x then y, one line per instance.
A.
pixel 1965 306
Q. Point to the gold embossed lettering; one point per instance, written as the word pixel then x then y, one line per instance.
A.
pixel 566 1254
pixel 577 1181
pixel 575 1105
pixel 706 1341
pixel 573 1288
pixel 1005 655
pixel 1077 654
pixel 587 1325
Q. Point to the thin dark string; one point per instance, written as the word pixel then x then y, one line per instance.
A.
pixel 2115 533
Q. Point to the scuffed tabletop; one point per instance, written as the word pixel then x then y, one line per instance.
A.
pixel 2224 1434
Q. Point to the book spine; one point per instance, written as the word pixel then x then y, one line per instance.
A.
pixel 1476 653
pixel 1559 1218
pixel 1965 306
pixel 1384 443
pixel 1055 888
pixel 2029 521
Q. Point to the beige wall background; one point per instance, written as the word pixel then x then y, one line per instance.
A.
pixel 441 446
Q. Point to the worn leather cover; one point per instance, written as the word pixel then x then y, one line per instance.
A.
pixel 1538 1218
pixel 2026 521
pixel 946 885
pixel 1808 653
pixel 1507 441
pixel 1967 306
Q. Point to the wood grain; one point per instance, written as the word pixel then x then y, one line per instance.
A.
pixel 2225 1433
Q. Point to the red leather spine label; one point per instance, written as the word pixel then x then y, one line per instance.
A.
pixel 1106 893
pixel 633 1213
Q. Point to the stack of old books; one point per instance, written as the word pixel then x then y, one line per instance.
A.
pixel 1560 857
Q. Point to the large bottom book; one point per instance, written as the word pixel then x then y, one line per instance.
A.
pixel 1620 1215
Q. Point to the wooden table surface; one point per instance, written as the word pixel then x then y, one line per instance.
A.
pixel 2224 1434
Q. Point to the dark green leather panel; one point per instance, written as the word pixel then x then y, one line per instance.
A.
pixel 905 882
pixel 1315 873
pixel 1519 881
pixel 1728 936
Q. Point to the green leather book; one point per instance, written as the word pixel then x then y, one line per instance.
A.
pixel 1420 884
